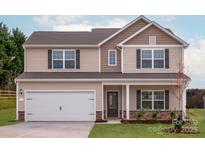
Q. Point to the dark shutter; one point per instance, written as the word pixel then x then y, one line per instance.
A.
pixel 166 58
pixel 167 99
pixel 138 58
pixel 49 59
pixel 77 59
pixel 138 99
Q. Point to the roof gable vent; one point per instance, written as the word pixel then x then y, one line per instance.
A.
pixel 152 40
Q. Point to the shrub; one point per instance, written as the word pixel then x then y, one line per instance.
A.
pixel 179 122
pixel 155 113
pixel 140 113
pixel 172 115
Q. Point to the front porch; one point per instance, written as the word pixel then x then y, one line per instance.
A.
pixel 122 101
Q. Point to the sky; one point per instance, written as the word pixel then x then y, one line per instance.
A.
pixel 189 28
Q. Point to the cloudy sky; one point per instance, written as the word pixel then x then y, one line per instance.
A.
pixel 189 28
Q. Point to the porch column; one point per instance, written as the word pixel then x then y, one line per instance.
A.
pixel 102 102
pixel 127 102
pixel 184 103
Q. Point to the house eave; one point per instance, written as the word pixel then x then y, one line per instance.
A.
pixel 58 45
pixel 93 79
pixel 125 27
pixel 183 43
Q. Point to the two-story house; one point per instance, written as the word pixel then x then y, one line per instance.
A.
pixel 102 74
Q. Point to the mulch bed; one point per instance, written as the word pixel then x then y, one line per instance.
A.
pixel 99 121
pixel 147 121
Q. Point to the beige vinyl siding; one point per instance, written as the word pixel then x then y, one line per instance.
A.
pixel 61 86
pixel 173 91
pixel 111 44
pixel 36 60
pixel 129 61
pixel 161 37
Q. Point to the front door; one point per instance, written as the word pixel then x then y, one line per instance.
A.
pixel 112 104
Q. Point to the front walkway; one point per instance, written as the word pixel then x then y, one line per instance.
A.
pixel 47 130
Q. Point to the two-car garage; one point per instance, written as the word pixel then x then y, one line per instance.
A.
pixel 48 105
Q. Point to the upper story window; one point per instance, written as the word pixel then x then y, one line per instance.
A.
pixel 112 57
pixel 57 59
pixel 153 100
pixel 64 59
pixel 153 58
pixel 159 59
pixel 70 59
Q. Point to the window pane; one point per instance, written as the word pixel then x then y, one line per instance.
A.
pixel 69 63
pixel 147 104
pixel 158 54
pixel 69 54
pixel 58 64
pixel 112 60
pixel 158 104
pixel 146 95
pixel 112 53
pixel 146 63
pixel 158 63
pixel 159 95
pixel 146 53
pixel 57 54
pixel 112 57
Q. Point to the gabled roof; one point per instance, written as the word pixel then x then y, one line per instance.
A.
pixel 125 27
pixel 95 38
pixel 74 38
pixel 167 31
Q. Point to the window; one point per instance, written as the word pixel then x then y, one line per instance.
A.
pixel 64 59
pixel 112 57
pixel 70 60
pixel 146 99
pixel 159 100
pixel 159 58
pixel 153 58
pixel 153 100
pixel 57 59
pixel 146 58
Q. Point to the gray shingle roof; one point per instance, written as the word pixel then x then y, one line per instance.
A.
pixel 84 37
pixel 95 75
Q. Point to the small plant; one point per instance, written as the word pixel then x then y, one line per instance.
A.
pixel 140 113
pixel 172 115
pixel 155 113
pixel 178 123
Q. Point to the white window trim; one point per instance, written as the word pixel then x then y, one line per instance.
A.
pixel 153 99
pixel 152 49
pixel 64 50
pixel 109 57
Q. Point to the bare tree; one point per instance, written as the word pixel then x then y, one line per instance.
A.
pixel 182 82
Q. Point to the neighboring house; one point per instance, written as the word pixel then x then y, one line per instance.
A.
pixel 98 75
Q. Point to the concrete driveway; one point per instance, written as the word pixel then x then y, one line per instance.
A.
pixel 47 130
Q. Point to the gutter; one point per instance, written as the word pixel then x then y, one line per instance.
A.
pixel 58 45
pixel 93 80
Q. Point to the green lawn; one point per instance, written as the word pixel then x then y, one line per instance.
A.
pixel 146 130
pixel 7 112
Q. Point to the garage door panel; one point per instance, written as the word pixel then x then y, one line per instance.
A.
pixel 60 106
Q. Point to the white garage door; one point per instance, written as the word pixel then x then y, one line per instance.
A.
pixel 60 106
